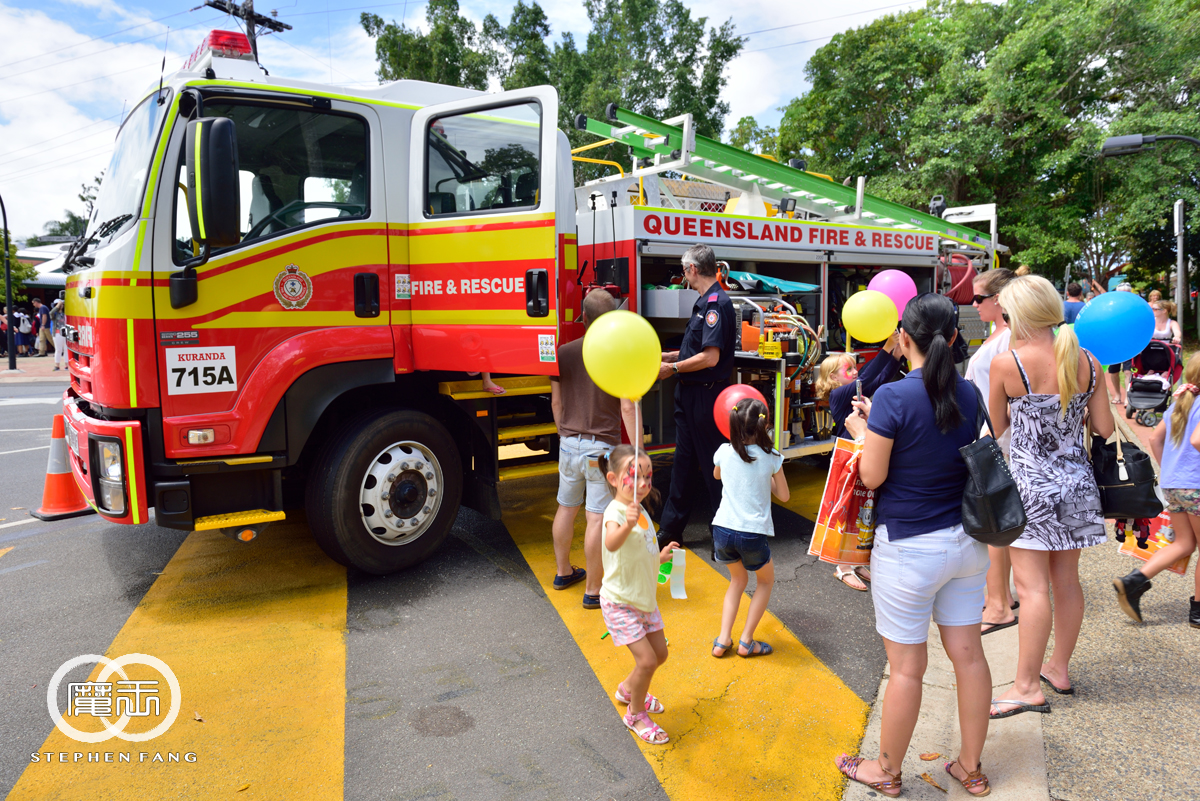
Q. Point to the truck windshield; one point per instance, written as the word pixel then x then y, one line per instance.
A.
pixel 124 182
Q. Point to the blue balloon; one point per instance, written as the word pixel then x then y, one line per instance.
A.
pixel 1115 326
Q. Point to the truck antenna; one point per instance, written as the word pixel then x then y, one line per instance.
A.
pixel 254 21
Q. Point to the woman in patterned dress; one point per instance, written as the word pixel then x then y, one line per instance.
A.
pixel 1042 390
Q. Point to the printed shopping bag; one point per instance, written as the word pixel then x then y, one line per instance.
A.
pixel 1160 537
pixel 845 529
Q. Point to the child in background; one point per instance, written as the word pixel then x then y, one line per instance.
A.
pixel 1175 442
pixel 751 470
pixel 629 592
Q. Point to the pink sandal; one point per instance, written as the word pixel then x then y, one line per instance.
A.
pixel 849 765
pixel 653 705
pixel 652 734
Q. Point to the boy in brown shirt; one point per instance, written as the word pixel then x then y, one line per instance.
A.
pixel 589 426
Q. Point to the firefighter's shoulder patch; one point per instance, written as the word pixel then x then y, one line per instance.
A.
pixel 711 318
pixel 712 298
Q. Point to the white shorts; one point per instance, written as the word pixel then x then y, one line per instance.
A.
pixel 941 574
pixel 579 476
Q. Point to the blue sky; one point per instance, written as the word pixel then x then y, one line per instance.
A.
pixel 70 68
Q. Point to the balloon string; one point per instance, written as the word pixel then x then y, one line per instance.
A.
pixel 637 449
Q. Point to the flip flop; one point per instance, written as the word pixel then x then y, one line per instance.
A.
pixel 845 575
pixel 1021 706
pixel 997 626
pixel 1056 688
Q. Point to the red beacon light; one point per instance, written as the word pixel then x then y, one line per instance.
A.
pixel 223 44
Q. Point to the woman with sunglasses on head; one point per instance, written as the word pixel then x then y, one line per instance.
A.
pixel 998 608
pixel 1043 391
pixel 923 565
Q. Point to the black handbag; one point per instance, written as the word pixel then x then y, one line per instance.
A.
pixel 1125 476
pixel 992 510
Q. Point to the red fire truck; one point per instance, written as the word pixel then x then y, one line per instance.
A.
pixel 284 287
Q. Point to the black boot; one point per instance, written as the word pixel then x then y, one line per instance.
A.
pixel 1129 593
pixel 1194 615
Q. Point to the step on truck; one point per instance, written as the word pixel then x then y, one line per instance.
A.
pixel 286 292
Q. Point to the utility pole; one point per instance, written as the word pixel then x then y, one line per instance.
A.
pixel 8 293
pixel 253 21
pixel 1181 274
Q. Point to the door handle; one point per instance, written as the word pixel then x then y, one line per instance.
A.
pixel 366 295
pixel 537 293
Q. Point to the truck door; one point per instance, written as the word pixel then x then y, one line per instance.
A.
pixel 285 299
pixel 481 235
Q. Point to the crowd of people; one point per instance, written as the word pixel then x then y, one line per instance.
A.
pixel 39 331
pixel 1037 390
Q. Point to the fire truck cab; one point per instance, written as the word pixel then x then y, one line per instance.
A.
pixel 284 286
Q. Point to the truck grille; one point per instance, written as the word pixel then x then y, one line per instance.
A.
pixel 80 367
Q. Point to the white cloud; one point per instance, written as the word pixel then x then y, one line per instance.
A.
pixel 61 135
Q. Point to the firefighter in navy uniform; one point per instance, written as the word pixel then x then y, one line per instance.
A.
pixel 703 363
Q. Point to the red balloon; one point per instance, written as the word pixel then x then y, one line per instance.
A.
pixel 729 398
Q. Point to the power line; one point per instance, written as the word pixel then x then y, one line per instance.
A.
pixel 32 171
pixel 336 10
pixel 98 38
pixel 106 50
pixel 74 83
pixel 319 61
pixel 790 44
pixel 56 147
pixel 827 19
pixel 60 136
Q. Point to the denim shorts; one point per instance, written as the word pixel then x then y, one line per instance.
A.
pixel 940 575
pixel 752 550
pixel 579 476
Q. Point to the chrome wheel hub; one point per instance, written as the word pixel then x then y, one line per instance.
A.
pixel 401 493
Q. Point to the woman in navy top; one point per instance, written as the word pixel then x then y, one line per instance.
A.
pixel 923 564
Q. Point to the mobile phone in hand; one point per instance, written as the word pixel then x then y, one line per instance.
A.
pixel 858 388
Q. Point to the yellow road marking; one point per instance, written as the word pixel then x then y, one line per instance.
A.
pixel 806 485
pixel 5 550
pixel 256 636
pixel 765 728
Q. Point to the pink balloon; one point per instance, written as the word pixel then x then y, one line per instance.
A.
pixel 897 285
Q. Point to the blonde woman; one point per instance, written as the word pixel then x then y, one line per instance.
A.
pixel 1165 327
pixel 998 608
pixel 1042 392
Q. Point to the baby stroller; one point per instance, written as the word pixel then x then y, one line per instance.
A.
pixel 1148 394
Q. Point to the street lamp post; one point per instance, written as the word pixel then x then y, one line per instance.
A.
pixel 8 294
pixel 1136 143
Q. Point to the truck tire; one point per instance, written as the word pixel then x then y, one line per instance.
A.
pixel 384 491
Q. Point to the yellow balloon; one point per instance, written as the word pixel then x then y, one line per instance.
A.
pixel 622 354
pixel 870 316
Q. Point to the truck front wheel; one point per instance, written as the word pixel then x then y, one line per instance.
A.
pixel 385 491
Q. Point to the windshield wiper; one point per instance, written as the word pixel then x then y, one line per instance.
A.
pixel 73 258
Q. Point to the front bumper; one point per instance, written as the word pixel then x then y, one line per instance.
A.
pixel 84 434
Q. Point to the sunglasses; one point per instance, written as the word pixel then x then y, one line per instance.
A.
pixel 981 298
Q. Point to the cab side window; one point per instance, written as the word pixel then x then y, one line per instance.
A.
pixel 483 160
pixel 298 167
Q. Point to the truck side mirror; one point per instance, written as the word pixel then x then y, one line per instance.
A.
pixel 213 198
pixel 213 191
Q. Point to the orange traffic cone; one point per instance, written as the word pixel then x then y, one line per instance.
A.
pixel 61 498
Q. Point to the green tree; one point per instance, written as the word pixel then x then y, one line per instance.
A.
pixel 1008 104
pixel 520 54
pixel 749 135
pixel 452 52
pixel 21 271
pixel 89 192
pixel 72 225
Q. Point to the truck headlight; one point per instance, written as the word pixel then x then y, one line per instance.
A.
pixel 110 474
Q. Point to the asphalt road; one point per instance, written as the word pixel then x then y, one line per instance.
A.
pixel 461 680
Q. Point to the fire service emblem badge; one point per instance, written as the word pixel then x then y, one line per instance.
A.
pixel 293 288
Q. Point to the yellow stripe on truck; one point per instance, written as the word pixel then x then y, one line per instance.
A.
pixel 132 364
pixel 490 245
pixel 133 477
pixel 199 192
